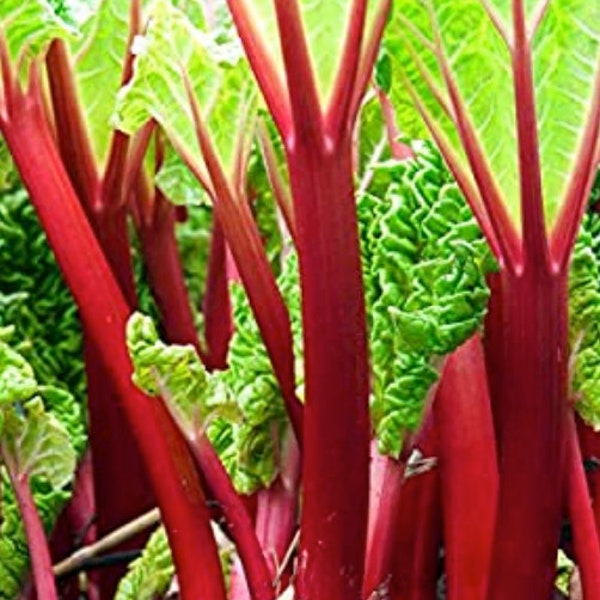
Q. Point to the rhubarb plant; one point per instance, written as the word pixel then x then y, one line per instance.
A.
pixel 405 360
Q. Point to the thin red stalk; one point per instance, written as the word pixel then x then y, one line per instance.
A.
pixel 135 161
pixel 336 433
pixel 246 246
pixel 529 394
pixel 419 530
pixel 73 141
pixel 119 143
pixel 216 304
pixel 237 519
pixel 165 273
pixel 585 536
pixel 488 226
pixel 280 191
pixel 535 241
pixel 369 56
pixel 39 553
pixel 262 65
pixel 504 229
pixel 582 176
pixel 276 512
pixel 302 88
pixel 399 150
pixel 104 313
pixel 340 102
pixel 468 471
pixel 590 449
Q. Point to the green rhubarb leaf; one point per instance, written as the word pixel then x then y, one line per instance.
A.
pixel 29 26
pixel 171 47
pixel 566 50
pixel 177 183
pixel 37 444
pixel 98 69
pixel 425 286
pixel 149 575
pixel 174 372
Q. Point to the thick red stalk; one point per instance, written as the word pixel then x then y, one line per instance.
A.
pixel 41 563
pixel 418 529
pixel 104 313
pixel 586 543
pixel 384 514
pixel 336 436
pixel 116 465
pixel 529 394
pixel 468 471
pixel 216 304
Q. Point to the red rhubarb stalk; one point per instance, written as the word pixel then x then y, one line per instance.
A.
pixel 468 471
pixel 104 313
pixel 41 563
pixel 586 543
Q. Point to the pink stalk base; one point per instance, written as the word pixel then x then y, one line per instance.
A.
pixel 528 325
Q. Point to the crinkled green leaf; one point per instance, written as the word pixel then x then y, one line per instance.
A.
pixel 425 286
pixel 149 575
pixel 17 380
pixel 30 25
pixel 33 295
pixel 566 48
pixel 170 47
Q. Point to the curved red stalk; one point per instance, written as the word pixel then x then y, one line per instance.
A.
pixel 586 544
pixel 468 471
pixel 104 313
pixel 237 519
pixel 41 563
